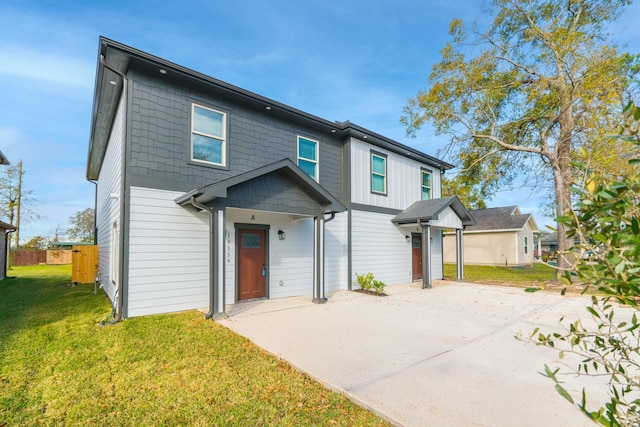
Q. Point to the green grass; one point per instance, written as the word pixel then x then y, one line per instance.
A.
pixel 59 367
pixel 538 274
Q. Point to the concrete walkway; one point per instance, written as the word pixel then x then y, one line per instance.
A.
pixel 435 357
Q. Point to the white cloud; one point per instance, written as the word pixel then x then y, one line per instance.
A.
pixel 23 62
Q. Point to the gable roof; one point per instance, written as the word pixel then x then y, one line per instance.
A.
pixel 426 210
pixel 210 192
pixel 115 57
pixel 3 159
pixel 506 218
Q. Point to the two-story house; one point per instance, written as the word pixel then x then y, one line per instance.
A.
pixel 208 194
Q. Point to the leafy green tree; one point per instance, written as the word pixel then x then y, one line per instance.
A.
pixel 607 222
pixel 470 195
pixel 527 92
pixel 37 242
pixel 82 226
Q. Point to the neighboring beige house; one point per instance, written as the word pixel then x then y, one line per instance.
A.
pixel 502 236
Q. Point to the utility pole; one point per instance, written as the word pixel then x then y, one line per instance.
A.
pixel 18 204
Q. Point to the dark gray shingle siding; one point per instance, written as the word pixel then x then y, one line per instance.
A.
pixel 160 135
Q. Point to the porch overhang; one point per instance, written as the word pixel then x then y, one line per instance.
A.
pixel 209 193
pixel 446 212
pixel 431 211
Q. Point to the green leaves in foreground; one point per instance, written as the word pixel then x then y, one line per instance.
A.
pixel 606 221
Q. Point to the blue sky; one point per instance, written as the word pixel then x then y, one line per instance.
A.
pixel 341 60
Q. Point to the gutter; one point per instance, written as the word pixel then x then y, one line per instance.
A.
pixel 119 293
pixel 212 245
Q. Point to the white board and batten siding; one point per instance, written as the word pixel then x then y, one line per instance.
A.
pixel 168 254
pixel 108 201
pixel 404 178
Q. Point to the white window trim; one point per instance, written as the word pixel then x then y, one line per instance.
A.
pixel 383 157
pixel 317 161
pixel 422 186
pixel 223 154
pixel 526 244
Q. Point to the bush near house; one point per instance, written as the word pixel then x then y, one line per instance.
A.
pixel 59 367
pixel 367 282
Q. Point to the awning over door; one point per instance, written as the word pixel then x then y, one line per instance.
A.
pixel 446 212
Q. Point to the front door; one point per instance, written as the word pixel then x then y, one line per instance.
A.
pixel 252 268
pixel 416 256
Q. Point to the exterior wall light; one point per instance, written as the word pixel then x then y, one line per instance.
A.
pixel 281 235
pixel 408 238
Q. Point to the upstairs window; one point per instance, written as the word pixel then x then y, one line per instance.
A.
pixel 208 135
pixel 378 173
pixel 426 184
pixel 308 156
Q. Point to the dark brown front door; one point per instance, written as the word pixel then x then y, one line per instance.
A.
pixel 416 256
pixel 252 268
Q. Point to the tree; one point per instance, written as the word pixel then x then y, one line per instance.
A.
pixel 527 93
pixel 37 242
pixel 607 222
pixel 16 203
pixel 82 226
pixel 469 195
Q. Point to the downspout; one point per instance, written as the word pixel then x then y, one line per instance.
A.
pixel 6 249
pixel 95 211
pixel 95 233
pixel 119 293
pixel 331 218
pixel 214 254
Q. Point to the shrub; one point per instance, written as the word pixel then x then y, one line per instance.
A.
pixel 378 286
pixel 365 281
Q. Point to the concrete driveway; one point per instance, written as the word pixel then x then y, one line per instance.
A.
pixel 435 357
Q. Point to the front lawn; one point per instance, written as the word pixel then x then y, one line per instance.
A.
pixel 536 275
pixel 59 367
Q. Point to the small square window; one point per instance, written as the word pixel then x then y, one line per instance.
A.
pixel 208 135
pixel 378 173
pixel 308 156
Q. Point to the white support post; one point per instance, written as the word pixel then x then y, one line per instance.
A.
pixel 318 260
pixel 426 256
pixel 459 255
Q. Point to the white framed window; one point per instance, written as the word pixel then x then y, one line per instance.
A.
pixel 115 253
pixel 425 183
pixel 208 135
pixel 378 173
pixel 308 156
pixel 526 245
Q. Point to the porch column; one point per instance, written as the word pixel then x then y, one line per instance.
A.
pixel 318 260
pixel 217 258
pixel 459 255
pixel 426 256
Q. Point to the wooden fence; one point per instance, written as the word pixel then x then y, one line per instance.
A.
pixel 28 257
pixel 36 257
